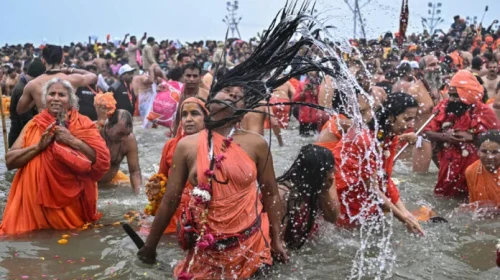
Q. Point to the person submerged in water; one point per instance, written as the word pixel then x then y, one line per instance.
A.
pixel 120 139
pixel 483 176
pixel 307 190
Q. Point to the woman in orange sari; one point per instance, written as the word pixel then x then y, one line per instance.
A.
pixel 60 156
pixel 235 228
pixel 483 175
pixel 193 111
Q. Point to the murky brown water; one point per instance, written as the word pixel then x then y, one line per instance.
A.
pixel 462 249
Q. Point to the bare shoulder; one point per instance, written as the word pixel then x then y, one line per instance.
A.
pixel 130 143
pixel 252 143
pixel 188 142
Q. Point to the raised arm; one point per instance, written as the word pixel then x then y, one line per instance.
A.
pixel 175 185
pixel 133 164
pixel 80 77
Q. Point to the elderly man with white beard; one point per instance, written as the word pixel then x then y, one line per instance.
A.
pixel 426 91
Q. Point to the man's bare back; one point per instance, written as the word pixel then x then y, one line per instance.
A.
pixel 32 94
pixel 402 86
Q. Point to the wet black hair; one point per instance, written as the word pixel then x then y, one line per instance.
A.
pixel 175 74
pixel 52 54
pixel 273 55
pixel 306 178
pixel 490 135
pixel 191 66
pixel 150 40
pixel 119 115
pixel 395 104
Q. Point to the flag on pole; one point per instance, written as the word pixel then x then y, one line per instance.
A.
pixel 403 22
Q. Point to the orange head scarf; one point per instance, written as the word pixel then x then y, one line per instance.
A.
pixel 458 60
pixel 180 131
pixel 469 89
pixel 107 101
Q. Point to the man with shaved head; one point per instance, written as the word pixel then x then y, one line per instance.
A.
pixel 121 142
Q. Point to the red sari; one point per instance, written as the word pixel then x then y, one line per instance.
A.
pixel 453 159
pixel 45 193
pixel 333 128
pixel 353 169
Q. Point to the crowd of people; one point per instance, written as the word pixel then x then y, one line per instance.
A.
pixel 72 110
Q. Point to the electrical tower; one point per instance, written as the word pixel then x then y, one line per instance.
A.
pixel 357 17
pixel 434 19
pixel 230 19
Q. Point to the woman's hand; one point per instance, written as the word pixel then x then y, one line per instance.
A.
pixel 147 255
pixel 63 135
pixel 413 225
pixel 46 139
pixel 278 251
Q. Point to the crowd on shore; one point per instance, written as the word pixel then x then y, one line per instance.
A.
pixel 72 110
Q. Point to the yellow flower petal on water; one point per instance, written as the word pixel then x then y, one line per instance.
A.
pixel 42 258
pixel 65 236
pixel 63 241
pixel 116 223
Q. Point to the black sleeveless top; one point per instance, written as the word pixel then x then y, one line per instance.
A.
pixel 121 95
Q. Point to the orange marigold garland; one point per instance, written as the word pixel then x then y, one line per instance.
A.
pixel 155 195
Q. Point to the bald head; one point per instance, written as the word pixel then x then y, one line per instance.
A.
pixel 121 116
pixel 119 125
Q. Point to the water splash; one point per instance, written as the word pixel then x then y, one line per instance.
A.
pixel 375 257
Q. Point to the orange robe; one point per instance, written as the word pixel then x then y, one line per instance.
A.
pixel 483 185
pixel 46 194
pixel 234 207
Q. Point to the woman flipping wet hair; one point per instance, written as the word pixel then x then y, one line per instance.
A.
pixel 228 230
pixel 307 190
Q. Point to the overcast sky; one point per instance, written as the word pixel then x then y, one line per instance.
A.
pixel 63 21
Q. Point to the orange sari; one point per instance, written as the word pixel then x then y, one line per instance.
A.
pixel 483 185
pixel 167 156
pixel 234 207
pixel 45 194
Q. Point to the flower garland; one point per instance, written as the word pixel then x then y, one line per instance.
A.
pixel 202 195
pixel 155 195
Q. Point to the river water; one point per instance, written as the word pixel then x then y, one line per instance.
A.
pixel 462 249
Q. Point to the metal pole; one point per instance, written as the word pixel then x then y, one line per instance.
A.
pixel 355 18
